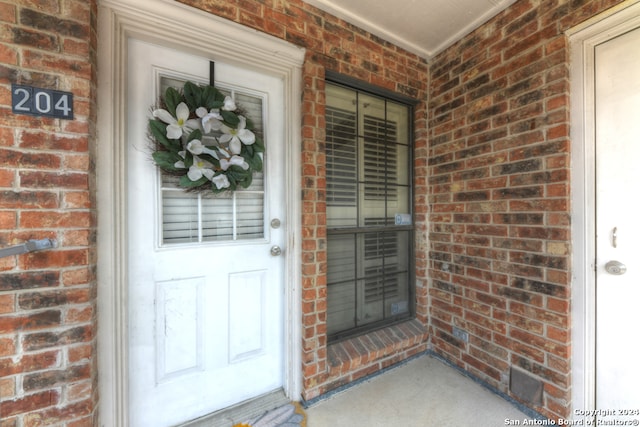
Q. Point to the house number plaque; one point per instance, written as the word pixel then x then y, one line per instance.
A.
pixel 41 102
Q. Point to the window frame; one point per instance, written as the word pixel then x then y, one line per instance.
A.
pixel 360 229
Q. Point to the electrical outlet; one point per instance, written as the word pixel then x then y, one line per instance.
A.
pixel 460 334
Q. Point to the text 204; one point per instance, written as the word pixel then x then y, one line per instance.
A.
pixel 41 102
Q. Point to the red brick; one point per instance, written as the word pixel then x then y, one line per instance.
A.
pixel 28 200
pixel 52 378
pixel 78 276
pixel 76 200
pixel 8 55
pixel 42 340
pixel 29 322
pixel 46 299
pixel 55 219
pixel 36 139
pixel 7 12
pixel 29 363
pixel 81 353
pixel 7 347
pixel 76 181
pixel 29 280
pixel 7 178
pixel 56 415
pixel 57 258
pixel 29 403
pixel 7 304
pixel 18 159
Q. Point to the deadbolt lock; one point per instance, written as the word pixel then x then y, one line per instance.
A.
pixel 615 267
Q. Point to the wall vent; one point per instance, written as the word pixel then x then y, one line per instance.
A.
pixel 526 387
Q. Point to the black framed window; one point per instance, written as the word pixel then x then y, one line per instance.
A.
pixel 370 273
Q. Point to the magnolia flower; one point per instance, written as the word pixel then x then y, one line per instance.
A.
pixel 229 104
pixel 211 120
pixel 234 160
pixel 221 181
pixel 197 147
pixel 199 169
pixel 179 124
pixel 237 137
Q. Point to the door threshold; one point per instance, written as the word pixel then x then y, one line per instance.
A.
pixel 241 411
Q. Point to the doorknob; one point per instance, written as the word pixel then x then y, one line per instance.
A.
pixel 615 267
pixel 276 251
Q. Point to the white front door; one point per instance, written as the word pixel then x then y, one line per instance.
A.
pixel 205 294
pixel 617 107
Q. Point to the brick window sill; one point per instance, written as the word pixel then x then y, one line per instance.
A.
pixel 366 354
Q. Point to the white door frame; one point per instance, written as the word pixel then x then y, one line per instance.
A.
pixel 172 24
pixel 583 39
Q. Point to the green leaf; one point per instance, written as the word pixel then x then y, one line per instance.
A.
pixel 188 159
pixel 159 132
pixel 258 146
pixel 196 134
pixel 193 95
pixel 247 181
pixel 187 183
pixel 172 98
pixel 232 184
pixel 220 96
pixel 209 96
pixel 229 117
pixel 250 124
pixel 166 160
pixel 255 163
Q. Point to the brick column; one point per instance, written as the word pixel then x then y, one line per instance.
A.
pixel 48 369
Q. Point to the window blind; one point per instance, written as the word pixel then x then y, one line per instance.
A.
pixel 341 149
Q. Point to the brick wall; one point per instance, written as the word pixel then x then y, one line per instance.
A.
pixel 47 299
pixel 499 196
pixel 335 45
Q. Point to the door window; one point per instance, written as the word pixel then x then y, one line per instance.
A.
pixel 197 218
pixel 369 273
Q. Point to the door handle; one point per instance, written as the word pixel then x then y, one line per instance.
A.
pixel 276 251
pixel 614 237
pixel 615 267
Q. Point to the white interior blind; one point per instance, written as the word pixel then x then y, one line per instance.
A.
pixel 341 157
pixel 380 159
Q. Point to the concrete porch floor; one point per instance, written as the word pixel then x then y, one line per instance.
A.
pixel 424 392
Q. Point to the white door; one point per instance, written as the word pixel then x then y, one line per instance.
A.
pixel 618 232
pixel 205 294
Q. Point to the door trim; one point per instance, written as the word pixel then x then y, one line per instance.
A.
pixel 583 39
pixel 172 24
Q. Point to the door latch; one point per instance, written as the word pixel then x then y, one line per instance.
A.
pixel 276 251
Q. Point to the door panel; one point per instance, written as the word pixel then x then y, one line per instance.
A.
pixel 206 315
pixel 617 179
pixel 179 325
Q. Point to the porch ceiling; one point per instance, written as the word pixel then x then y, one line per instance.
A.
pixel 424 27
